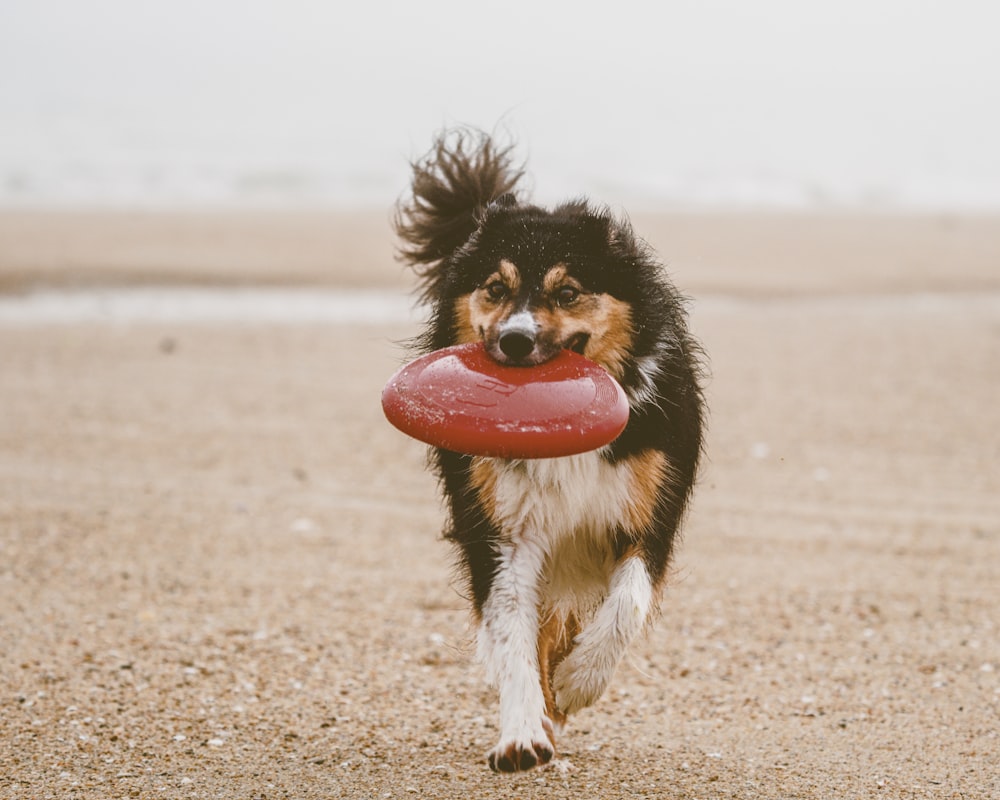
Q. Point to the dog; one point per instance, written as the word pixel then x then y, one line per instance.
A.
pixel 563 558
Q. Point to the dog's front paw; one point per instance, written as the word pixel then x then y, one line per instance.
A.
pixel 579 684
pixel 529 749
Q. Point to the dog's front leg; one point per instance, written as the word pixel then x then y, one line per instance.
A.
pixel 585 673
pixel 508 647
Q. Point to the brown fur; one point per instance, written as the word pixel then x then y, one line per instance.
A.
pixel 555 641
pixel 509 274
pixel 606 320
pixel 483 477
pixel 651 475
pixel 466 331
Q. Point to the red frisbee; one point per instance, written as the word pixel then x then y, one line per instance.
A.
pixel 460 399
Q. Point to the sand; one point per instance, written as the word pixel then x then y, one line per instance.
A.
pixel 221 573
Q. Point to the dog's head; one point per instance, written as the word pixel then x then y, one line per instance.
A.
pixel 530 283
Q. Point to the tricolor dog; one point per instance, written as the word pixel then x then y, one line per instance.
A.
pixel 563 558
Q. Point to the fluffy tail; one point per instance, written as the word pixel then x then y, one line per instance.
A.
pixel 462 174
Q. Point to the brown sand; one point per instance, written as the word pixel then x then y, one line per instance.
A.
pixel 220 573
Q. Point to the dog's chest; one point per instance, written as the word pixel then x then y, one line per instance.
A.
pixel 545 500
pixel 563 510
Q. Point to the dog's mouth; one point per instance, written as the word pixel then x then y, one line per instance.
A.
pixel 524 351
pixel 578 343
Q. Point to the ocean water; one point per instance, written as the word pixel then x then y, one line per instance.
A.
pixel 208 305
pixel 157 305
pixel 864 103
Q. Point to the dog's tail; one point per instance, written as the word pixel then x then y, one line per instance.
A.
pixel 461 175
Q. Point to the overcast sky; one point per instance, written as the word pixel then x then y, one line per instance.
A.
pixel 859 101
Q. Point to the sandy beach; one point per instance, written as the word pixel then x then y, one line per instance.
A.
pixel 221 574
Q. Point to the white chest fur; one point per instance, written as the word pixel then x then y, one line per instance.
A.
pixel 565 509
pixel 553 497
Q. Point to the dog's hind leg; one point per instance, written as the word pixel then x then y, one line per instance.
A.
pixel 587 670
pixel 508 647
pixel 555 640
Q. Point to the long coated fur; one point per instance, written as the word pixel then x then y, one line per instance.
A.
pixel 564 558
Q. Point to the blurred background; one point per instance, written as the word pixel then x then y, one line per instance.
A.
pixel 884 104
pixel 219 573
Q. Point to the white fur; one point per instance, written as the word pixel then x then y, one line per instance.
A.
pixel 522 322
pixel 586 672
pixel 508 639
pixel 545 499
pixel 648 370
pixel 647 373
pixel 555 515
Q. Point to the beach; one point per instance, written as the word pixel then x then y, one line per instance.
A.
pixel 221 571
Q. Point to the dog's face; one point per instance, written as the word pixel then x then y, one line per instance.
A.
pixel 540 290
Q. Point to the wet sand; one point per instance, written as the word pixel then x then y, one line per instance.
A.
pixel 221 573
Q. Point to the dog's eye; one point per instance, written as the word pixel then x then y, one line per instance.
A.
pixel 497 290
pixel 567 295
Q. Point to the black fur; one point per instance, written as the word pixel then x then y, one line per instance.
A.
pixel 464 216
pixel 451 185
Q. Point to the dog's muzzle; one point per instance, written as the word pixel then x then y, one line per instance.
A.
pixel 517 336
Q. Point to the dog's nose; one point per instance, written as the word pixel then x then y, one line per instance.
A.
pixel 516 344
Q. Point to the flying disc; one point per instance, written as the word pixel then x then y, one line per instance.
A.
pixel 461 399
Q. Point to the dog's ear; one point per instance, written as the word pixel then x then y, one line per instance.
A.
pixel 453 185
pixel 496 208
pixel 601 229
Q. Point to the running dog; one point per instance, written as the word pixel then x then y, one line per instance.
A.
pixel 563 558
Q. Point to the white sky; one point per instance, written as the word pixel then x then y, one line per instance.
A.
pixel 870 100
